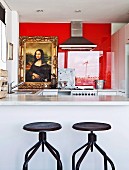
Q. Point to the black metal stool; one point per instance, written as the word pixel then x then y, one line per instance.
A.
pixel 92 138
pixel 42 128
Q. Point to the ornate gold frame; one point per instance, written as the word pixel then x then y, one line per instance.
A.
pixel 42 42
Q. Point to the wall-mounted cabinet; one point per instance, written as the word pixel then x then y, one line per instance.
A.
pixel 121 65
pixel 127 33
pixel 118 42
pixel 114 62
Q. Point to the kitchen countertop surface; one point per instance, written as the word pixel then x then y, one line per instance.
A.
pixel 13 99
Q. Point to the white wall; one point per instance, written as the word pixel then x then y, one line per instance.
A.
pixel 116 26
pixel 2 45
pixel 12 36
pixel 12 65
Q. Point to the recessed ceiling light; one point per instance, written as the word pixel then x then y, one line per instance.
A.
pixel 39 10
pixel 77 10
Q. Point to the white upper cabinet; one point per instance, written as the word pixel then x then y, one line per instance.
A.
pixel 118 58
pixel 122 58
pixel 115 60
pixel 127 33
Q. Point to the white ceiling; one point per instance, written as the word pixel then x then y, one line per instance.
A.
pixel 101 11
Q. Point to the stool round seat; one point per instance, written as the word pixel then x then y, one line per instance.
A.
pixel 92 138
pixel 42 126
pixel 91 126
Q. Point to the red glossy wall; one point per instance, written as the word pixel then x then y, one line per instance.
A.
pixel 99 34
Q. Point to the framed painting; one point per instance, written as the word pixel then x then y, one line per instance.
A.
pixel 10 51
pixel 37 61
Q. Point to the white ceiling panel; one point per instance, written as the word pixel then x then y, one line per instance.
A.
pixel 102 11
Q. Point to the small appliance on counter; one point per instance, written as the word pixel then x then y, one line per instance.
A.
pixel 62 84
pixel 66 78
pixel 99 84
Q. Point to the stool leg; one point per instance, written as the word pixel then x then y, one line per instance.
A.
pixel 73 156
pixel 104 154
pixel 88 146
pixel 55 153
pixel 106 158
pixel 29 155
pixel 83 155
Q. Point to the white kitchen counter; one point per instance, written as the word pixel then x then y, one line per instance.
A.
pixel 18 99
pixel 18 110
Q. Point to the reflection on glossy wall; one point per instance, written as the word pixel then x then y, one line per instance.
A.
pixel 86 64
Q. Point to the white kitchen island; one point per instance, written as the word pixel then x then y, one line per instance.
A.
pixel 17 110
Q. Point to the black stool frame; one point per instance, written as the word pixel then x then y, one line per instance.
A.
pixel 89 145
pixel 42 142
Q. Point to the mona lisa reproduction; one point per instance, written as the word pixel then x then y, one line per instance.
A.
pixel 37 61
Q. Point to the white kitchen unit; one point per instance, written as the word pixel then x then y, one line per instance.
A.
pixel 64 92
pixel 48 92
pixel 127 33
pixel 77 92
pixel 118 59
pixel 121 93
pixel 114 60
pixel 84 92
pixel 18 110
pixel 107 92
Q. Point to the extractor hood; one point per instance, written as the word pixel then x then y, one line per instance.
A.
pixel 77 41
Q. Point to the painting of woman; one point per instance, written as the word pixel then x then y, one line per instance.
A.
pixel 39 71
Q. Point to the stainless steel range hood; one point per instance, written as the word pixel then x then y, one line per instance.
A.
pixel 77 41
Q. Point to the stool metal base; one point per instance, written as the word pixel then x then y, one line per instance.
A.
pixel 91 142
pixel 42 142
